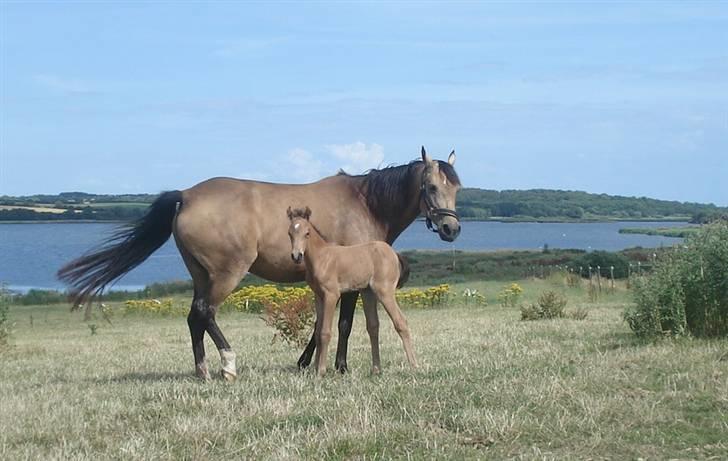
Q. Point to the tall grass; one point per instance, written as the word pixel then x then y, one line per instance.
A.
pixel 489 387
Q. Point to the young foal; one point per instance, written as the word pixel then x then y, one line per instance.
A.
pixel 374 268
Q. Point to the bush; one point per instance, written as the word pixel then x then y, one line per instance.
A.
pixel 687 291
pixel 254 298
pixel 605 259
pixel 153 306
pixel 510 295
pixel 550 305
pixel 292 319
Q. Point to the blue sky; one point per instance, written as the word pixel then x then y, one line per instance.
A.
pixel 619 98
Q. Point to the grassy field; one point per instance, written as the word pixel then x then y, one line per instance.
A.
pixel 489 386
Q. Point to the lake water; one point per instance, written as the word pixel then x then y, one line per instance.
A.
pixel 30 254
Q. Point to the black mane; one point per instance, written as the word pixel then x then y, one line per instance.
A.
pixel 386 189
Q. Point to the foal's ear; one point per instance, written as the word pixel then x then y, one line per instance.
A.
pixel 425 158
pixel 307 213
pixel 289 212
pixel 451 158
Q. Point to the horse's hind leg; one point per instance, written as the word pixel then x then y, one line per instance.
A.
pixel 196 322
pixel 400 324
pixel 220 288
pixel 370 311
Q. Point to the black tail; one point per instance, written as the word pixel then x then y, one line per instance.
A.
pixel 404 271
pixel 90 274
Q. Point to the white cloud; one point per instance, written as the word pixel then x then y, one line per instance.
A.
pixel 304 167
pixel 357 157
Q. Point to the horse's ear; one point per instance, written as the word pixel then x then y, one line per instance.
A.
pixel 425 158
pixel 289 212
pixel 307 213
pixel 451 158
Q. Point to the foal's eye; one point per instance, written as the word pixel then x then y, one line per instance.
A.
pixel 433 189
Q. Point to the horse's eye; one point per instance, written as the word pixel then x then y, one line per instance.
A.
pixel 433 189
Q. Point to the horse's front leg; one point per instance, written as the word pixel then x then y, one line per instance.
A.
pixel 346 319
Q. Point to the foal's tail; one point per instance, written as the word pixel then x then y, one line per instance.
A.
pixel 128 247
pixel 404 271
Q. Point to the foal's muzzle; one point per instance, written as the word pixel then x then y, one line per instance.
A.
pixel 297 257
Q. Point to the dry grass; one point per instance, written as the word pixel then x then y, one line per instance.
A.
pixel 489 386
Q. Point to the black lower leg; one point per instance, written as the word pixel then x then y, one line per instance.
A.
pixel 196 323
pixel 346 318
pixel 305 359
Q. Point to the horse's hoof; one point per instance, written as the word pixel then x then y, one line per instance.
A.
pixel 376 371
pixel 228 376
pixel 202 373
pixel 342 368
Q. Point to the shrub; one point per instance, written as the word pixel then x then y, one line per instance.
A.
pixel 473 297
pixel 292 319
pixel 254 298
pixel 429 297
pixel 687 291
pixel 510 295
pixel 579 313
pixel 605 259
pixel 550 305
pixel 153 306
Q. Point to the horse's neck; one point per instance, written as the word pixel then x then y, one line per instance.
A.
pixel 410 206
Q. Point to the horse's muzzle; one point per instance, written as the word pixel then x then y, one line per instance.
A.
pixel 297 258
pixel 448 230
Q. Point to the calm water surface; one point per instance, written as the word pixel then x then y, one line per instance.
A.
pixel 30 254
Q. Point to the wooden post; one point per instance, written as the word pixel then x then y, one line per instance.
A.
pixel 611 276
pixel 599 278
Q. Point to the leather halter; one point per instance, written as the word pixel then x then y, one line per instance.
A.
pixel 431 211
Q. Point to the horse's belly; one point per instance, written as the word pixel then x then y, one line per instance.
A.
pixel 278 271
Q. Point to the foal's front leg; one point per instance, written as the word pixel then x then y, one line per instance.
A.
pixel 324 330
pixel 372 317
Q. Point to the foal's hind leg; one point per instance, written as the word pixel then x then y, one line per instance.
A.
pixel 400 324
pixel 370 311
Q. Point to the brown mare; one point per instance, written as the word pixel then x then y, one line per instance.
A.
pixel 227 227
pixel 372 268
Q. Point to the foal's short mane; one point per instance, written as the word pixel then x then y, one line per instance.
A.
pixel 305 213
pixel 387 189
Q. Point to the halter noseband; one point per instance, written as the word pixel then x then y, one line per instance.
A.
pixel 431 210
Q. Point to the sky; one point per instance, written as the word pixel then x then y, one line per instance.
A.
pixel 139 97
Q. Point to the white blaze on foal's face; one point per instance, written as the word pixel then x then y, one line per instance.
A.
pixel 299 233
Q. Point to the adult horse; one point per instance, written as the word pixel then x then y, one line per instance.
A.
pixel 226 227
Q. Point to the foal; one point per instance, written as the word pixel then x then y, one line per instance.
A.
pixel 374 268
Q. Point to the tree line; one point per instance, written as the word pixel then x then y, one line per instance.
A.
pixel 476 204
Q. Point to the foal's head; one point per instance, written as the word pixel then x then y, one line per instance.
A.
pixel 299 232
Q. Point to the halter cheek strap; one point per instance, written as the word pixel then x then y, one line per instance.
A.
pixel 432 211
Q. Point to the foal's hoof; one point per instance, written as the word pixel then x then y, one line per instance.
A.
pixel 228 376
pixel 342 368
pixel 376 371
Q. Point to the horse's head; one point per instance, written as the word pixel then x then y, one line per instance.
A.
pixel 440 185
pixel 299 232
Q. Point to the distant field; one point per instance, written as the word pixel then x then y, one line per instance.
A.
pixel 489 387
pixel 37 209
pixel 679 232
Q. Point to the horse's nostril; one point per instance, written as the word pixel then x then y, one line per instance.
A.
pixel 446 229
